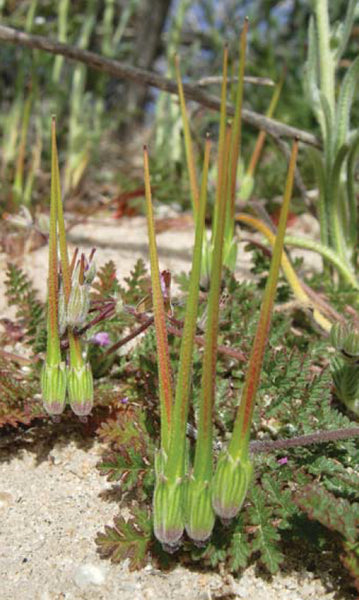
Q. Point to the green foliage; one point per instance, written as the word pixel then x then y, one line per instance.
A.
pixel 29 310
pixel 337 515
pixel 17 393
pixel 127 539
pixel 131 450
pixel 295 398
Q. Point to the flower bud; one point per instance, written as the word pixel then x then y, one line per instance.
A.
pixel 199 513
pixel 80 389
pixel 79 304
pixel 53 387
pixel 230 485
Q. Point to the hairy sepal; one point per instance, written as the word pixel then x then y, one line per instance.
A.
pixel 230 485
pixel 168 501
pixel 80 389
pixel 200 516
pixel 53 387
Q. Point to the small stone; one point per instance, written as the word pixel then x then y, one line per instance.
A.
pixel 89 574
pixel 5 499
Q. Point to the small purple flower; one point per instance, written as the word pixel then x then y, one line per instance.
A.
pixel 282 461
pixel 124 400
pixel 101 339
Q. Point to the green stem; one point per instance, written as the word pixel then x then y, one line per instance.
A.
pixel 188 142
pixel 327 253
pixel 222 140
pixel 203 452
pixel 56 191
pixel 236 135
pixel 163 360
pixel 239 444
pixel 176 458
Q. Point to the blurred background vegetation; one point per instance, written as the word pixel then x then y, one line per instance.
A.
pixel 103 122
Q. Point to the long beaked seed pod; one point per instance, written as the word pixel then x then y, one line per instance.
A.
pixel 80 389
pixel 53 386
pixel 230 485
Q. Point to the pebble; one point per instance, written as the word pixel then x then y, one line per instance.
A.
pixel 5 499
pixel 89 574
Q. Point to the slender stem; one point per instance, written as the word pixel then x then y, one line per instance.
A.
pixel 191 165
pixel 176 459
pixel 240 439
pixel 203 452
pixel 288 270
pixel 319 437
pixel 222 138
pixel 53 341
pixel 164 366
pixel 325 252
pixel 56 190
pixel 237 129
pixel 263 134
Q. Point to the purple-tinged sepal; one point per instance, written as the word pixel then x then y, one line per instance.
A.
pixel 200 516
pixel 230 485
pixel 168 500
pixel 53 387
pixel 80 389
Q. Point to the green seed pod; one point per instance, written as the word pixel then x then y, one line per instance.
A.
pixel 62 313
pixel 53 387
pixel 80 389
pixel 79 304
pixel 199 514
pixel 168 518
pixel 346 382
pixel 230 485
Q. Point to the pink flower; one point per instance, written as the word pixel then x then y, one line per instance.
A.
pixel 101 339
pixel 282 461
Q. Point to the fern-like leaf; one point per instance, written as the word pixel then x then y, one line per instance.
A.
pixel 21 293
pixel 336 514
pixel 265 533
pixel 127 539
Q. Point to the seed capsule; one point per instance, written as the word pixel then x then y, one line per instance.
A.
pixel 230 485
pixel 53 387
pixel 80 389
pixel 199 513
pixel 168 517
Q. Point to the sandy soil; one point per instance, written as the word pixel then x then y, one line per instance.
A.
pixel 53 500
